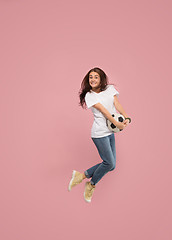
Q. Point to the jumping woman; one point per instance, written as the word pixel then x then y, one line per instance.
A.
pixel 96 93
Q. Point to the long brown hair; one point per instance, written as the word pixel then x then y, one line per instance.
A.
pixel 85 86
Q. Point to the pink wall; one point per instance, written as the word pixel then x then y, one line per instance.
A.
pixel 47 47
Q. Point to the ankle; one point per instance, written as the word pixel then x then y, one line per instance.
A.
pixel 83 175
pixel 93 185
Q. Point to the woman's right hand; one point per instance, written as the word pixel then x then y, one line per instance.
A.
pixel 120 125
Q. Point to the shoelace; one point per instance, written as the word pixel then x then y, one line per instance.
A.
pixel 76 180
pixel 91 192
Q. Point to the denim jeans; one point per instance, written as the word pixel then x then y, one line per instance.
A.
pixel 107 151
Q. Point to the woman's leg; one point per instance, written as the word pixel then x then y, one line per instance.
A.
pixel 104 147
pixel 89 172
pixel 113 147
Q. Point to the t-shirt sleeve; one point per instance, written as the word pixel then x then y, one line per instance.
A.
pixel 113 91
pixel 90 99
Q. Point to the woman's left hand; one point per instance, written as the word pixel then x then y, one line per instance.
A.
pixel 126 122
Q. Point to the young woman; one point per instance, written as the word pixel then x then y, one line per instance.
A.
pixel 97 94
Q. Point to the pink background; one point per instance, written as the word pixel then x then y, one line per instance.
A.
pixel 47 47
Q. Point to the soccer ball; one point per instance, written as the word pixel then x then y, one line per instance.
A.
pixel 119 118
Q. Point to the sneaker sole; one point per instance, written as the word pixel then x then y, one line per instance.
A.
pixel 84 194
pixel 73 175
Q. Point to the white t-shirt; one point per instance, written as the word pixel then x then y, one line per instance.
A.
pixel 106 98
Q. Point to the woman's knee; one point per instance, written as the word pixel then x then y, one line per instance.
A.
pixel 111 166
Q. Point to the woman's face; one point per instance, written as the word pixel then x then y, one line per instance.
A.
pixel 94 80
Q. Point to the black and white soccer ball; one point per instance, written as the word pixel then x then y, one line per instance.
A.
pixel 119 118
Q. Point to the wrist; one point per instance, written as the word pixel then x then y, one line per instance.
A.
pixel 128 119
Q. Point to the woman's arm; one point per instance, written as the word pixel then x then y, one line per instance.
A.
pixel 119 107
pixel 105 112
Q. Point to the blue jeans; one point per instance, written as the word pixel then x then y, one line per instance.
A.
pixel 107 151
